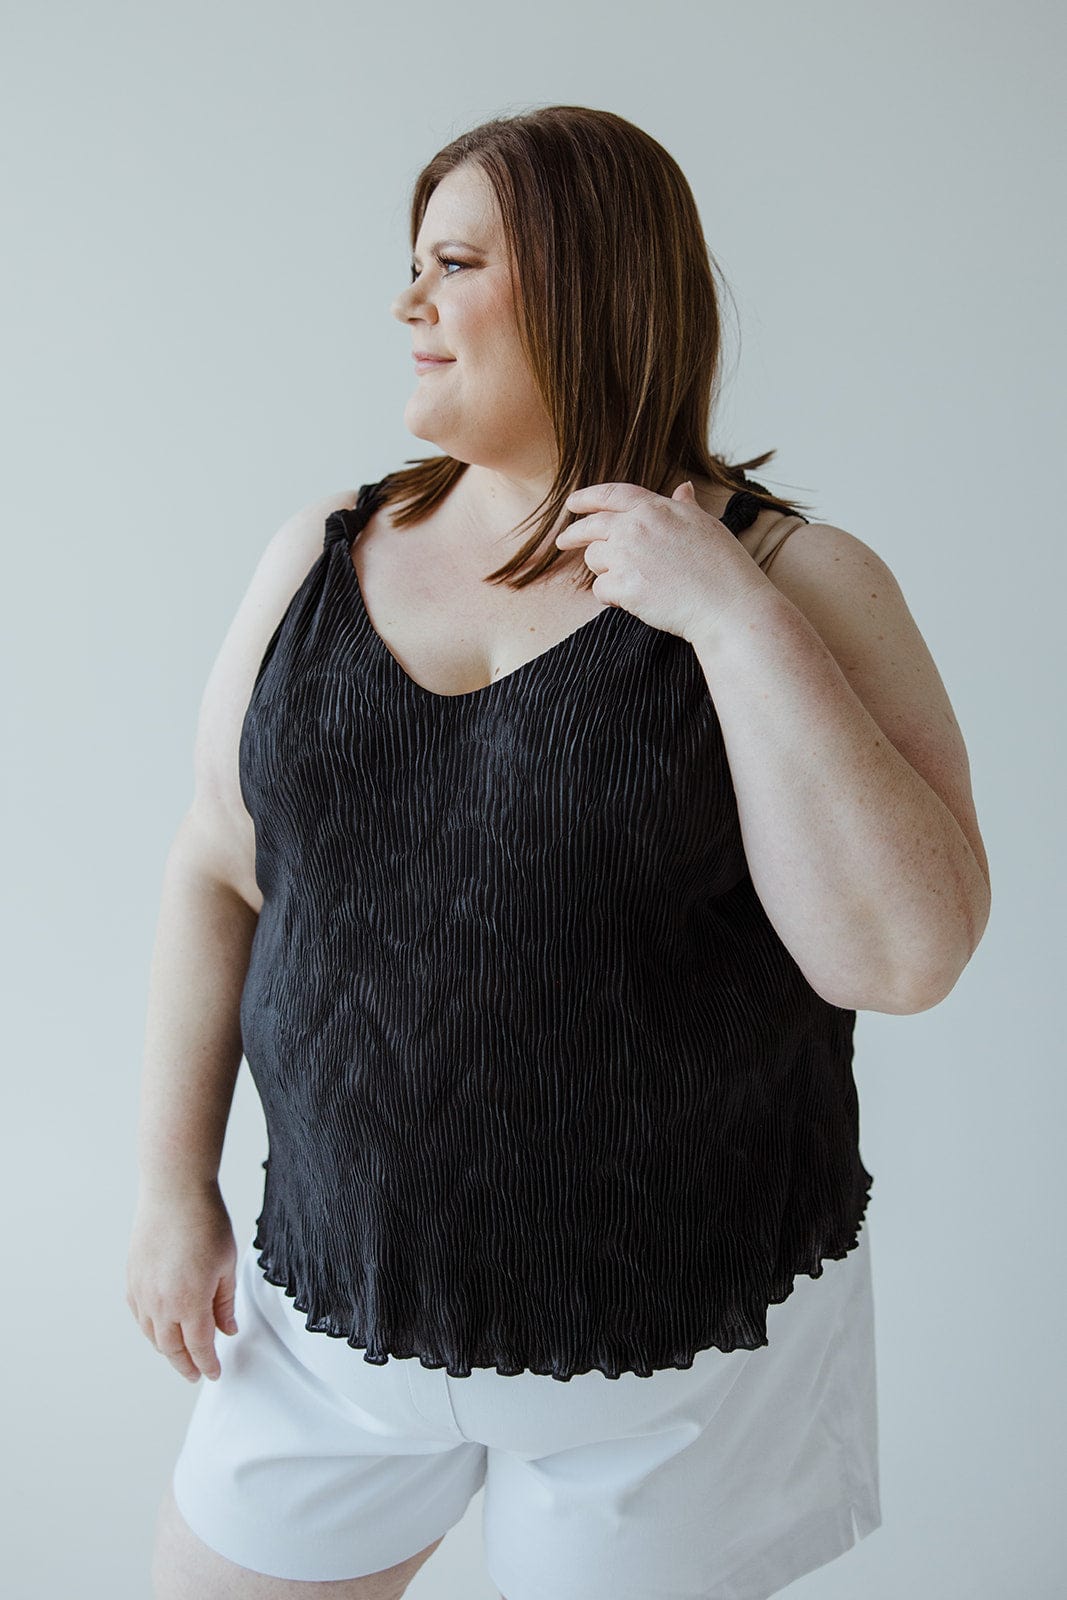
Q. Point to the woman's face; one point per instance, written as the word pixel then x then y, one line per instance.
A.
pixel 482 407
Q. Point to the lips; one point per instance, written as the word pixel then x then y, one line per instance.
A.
pixel 422 355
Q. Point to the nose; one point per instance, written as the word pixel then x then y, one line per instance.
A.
pixel 406 308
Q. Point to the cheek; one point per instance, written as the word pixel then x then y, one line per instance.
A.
pixel 487 339
pixel 491 316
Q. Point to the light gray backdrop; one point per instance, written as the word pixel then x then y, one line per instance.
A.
pixel 204 210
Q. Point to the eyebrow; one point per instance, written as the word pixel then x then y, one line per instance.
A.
pixel 449 244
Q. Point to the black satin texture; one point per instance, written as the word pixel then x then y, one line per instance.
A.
pixel 544 1090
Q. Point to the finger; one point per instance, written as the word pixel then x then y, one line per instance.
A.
pixel 583 530
pixel 170 1343
pixel 606 496
pixel 199 1335
pixel 592 494
pixel 224 1302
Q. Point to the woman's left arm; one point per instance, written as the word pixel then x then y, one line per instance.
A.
pixel 851 775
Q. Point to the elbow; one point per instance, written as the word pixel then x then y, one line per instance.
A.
pixel 945 966
pixel 924 986
pixel 917 984
pixel 903 982
pixel 899 1001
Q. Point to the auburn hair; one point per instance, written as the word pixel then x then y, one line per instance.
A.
pixel 617 308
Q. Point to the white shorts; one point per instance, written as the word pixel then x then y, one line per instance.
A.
pixel 725 1481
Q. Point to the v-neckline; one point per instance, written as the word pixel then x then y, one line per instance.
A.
pixel 363 513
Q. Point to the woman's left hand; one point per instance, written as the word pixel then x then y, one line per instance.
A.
pixel 668 561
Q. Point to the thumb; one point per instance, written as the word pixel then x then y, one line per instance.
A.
pixel 224 1316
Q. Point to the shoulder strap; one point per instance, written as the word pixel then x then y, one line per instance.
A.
pixel 343 524
pixel 741 512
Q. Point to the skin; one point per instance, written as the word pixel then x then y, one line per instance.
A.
pixel 823 686
pixel 484 407
pixel 821 681
pixel 881 898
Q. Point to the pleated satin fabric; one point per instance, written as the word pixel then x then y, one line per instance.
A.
pixel 544 1090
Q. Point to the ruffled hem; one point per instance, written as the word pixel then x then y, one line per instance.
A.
pixel 741 1329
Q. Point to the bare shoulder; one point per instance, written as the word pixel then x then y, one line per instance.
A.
pixel 852 599
pixel 295 547
pixel 768 534
pixel 217 827
pixel 285 562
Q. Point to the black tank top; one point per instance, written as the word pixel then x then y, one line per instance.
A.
pixel 543 1088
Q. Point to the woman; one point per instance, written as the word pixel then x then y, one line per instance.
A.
pixel 539 876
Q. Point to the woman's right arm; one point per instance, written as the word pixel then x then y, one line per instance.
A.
pixel 181 1267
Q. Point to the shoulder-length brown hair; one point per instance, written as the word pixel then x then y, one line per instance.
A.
pixel 617 309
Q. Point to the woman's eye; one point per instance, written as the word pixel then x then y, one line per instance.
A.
pixel 445 261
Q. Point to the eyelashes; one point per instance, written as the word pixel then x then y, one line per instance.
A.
pixel 445 261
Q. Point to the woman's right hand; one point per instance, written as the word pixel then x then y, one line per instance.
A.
pixel 181 1275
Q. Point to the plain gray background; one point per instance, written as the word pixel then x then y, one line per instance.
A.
pixel 204 210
